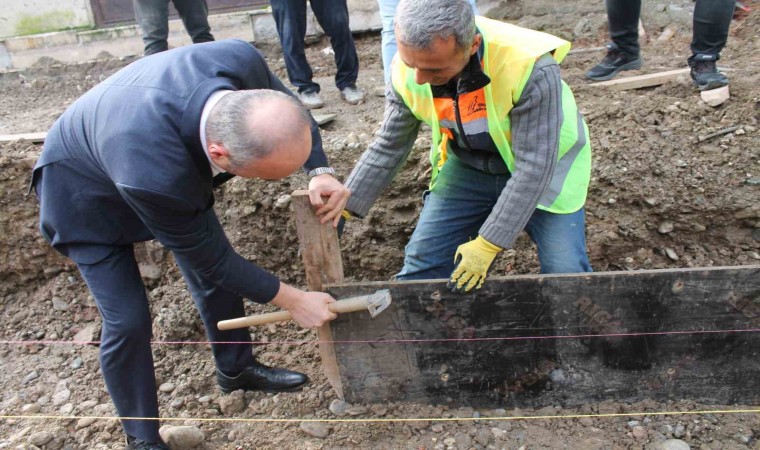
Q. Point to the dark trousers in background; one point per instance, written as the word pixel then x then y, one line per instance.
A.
pixel 332 15
pixel 153 18
pixel 711 21
pixel 125 350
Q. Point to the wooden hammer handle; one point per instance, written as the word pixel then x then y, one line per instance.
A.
pixel 341 306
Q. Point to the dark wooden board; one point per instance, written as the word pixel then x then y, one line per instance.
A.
pixel 555 366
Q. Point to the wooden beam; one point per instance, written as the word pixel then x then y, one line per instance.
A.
pixel 642 81
pixel 31 137
pixel 320 252
pixel 541 340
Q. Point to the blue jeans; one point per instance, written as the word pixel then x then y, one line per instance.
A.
pixel 387 12
pixel 456 208
pixel 332 15
pixel 153 17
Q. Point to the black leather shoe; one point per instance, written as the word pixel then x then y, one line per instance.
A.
pixel 612 64
pixel 259 377
pixel 704 72
pixel 138 444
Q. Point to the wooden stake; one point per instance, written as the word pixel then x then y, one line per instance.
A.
pixel 321 258
pixel 642 81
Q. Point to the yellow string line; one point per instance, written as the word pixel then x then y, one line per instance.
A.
pixel 417 419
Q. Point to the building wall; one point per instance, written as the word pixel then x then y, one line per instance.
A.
pixel 24 17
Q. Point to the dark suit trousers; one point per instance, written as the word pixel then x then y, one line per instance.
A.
pixel 153 18
pixel 711 21
pixel 125 350
pixel 332 15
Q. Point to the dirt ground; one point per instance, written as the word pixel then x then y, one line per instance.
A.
pixel 659 198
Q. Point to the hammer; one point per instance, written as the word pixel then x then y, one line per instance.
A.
pixel 374 303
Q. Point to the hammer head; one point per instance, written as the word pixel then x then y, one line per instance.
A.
pixel 378 302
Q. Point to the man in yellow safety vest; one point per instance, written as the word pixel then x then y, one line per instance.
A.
pixel 510 151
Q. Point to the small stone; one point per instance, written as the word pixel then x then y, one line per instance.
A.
pixel 633 423
pixel 679 430
pixel 715 97
pixel 233 403
pixel 68 408
pixel 315 429
pixel 205 400
pixel 61 397
pixel 450 441
pixel 356 410
pixel 483 437
pixel 498 433
pixel 672 444
pixel 182 437
pixel 671 254
pixel 283 202
pixel 666 429
pixel 743 439
pixel 665 227
pixel 31 408
pixel 639 432
pixel 77 363
pixel 40 438
pixel 436 428
pixel 586 421
pixel 379 410
pixel 31 376
pixel 177 403
pixel 60 305
pixel 84 422
pixel 755 181
pixel 167 387
pixel 339 407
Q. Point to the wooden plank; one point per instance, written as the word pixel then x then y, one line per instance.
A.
pixel 642 81
pixel 535 341
pixel 322 119
pixel 31 137
pixel 320 252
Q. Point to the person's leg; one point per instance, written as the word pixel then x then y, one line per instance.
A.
pixel 290 17
pixel 332 16
pixel 194 15
pixel 388 37
pixel 153 18
pixel 453 213
pixel 125 354
pixel 711 21
pixel 561 241
pixel 623 20
pixel 214 304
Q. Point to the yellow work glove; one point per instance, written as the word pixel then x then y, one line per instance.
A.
pixel 346 215
pixel 476 258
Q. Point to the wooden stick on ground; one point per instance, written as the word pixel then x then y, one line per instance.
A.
pixel 321 258
pixel 642 81
pixel 31 137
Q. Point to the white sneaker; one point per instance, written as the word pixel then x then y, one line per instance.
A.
pixel 311 100
pixel 352 95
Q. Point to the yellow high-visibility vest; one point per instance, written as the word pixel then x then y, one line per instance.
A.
pixel 509 55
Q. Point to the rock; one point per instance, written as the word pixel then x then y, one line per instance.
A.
pixel 86 334
pixel 586 421
pixel 150 271
pixel 498 433
pixel 639 432
pixel 233 403
pixel 68 408
pixel 283 201
pixel 177 403
pixel 436 428
pixel 715 97
pixel 31 376
pixel 31 408
pixel 84 422
pixel 483 436
pixel 666 429
pixel 671 444
pixel 379 410
pixel 339 407
pixel 205 400
pixel 60 305
pixel 633 423
pixel 671 254
pixel 463 440
pixel 77 363
pixel 665 227
pixel 181 437
pixel 743 439
pixel 167 387
pixel 752 181
pixel 356 410
pixel 61 397
pixel 679 431
pixel 315 429
pixel 40 438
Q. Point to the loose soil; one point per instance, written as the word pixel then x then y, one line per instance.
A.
pixel 659 198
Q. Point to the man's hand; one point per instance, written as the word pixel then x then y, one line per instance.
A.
pixel 476 258
pixel 326 185
pixel 309 309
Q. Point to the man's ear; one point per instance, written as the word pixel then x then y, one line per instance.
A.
pixel 476 44
pixel 219 155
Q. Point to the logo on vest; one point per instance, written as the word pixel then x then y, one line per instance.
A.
pixel 476 105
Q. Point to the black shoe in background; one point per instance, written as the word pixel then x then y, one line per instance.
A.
pixel 138 444
pixel 259 377
pixel 612 64
pixel 704 72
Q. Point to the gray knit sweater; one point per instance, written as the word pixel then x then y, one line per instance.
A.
pixel 535 122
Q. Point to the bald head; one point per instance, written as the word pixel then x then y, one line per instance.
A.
pixel 259 128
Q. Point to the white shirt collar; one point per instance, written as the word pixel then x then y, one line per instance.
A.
pixel 210 103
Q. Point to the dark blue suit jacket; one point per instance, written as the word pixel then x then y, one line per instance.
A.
pixel 129 164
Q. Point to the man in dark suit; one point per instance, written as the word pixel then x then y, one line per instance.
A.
pixel 135 159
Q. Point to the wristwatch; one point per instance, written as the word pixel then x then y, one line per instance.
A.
pixel 320 171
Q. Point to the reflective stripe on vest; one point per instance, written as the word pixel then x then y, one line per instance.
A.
pixel 509 55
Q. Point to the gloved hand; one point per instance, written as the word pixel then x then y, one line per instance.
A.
pixel 476 258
